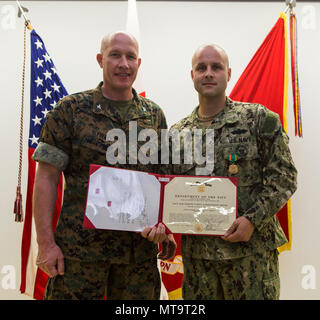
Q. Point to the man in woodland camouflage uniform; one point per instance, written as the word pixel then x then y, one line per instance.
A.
pixel 249 143
pixel 86 263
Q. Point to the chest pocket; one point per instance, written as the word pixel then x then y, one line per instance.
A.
pixel 144 123
pixel 247 162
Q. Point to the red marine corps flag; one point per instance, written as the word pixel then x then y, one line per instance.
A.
pixel 265 81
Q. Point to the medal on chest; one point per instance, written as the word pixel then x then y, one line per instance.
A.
pixel 233 167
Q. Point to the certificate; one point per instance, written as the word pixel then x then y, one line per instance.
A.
pixel 120 199
pixel 200 205
pixel 129 200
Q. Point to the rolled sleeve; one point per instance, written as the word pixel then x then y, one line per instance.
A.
pixel 51 155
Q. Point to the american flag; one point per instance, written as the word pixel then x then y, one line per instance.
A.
pixel 46 87
pixel 46 90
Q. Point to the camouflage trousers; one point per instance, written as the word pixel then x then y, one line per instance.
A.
pixel 253 277
pixel 99 280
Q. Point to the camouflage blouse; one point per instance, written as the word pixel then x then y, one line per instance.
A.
pixel 72 138
pixel 251 137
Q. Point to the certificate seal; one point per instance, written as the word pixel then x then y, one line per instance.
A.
pixel 198 227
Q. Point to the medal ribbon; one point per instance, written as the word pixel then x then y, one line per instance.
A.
pixel 233 158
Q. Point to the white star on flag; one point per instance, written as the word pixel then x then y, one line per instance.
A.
pixel 38 101
pixel 55 87
pixel 47 93
pixel 34 139
pixel 39 82
pixel 47 74
pixel 46 57
pixel 45 111
pixel 39 63
pixel 37 120
pixel 53 104
pixel 38 43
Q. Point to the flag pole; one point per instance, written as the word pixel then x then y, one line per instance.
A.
pixel 28 25
pixel 17 209
pixel 290 5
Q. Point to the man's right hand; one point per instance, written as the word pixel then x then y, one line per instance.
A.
pixel 50 259
pixel 156 234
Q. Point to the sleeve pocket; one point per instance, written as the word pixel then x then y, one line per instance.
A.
pixel 271 288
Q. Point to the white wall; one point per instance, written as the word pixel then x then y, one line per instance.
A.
pixel 170 32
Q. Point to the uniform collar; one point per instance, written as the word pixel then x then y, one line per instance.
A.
pixel 227 115
pixel 106 107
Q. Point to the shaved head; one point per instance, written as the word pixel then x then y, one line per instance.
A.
pixel 214 47
pixel 119 60
pixel 210 72
pixel 119 34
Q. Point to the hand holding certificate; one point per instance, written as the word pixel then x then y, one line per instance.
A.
pixel 128 200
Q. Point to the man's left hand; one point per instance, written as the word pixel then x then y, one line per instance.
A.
pixel 169 247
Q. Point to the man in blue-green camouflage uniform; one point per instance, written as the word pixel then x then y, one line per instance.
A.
pixel 87 263
pixel 250 144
